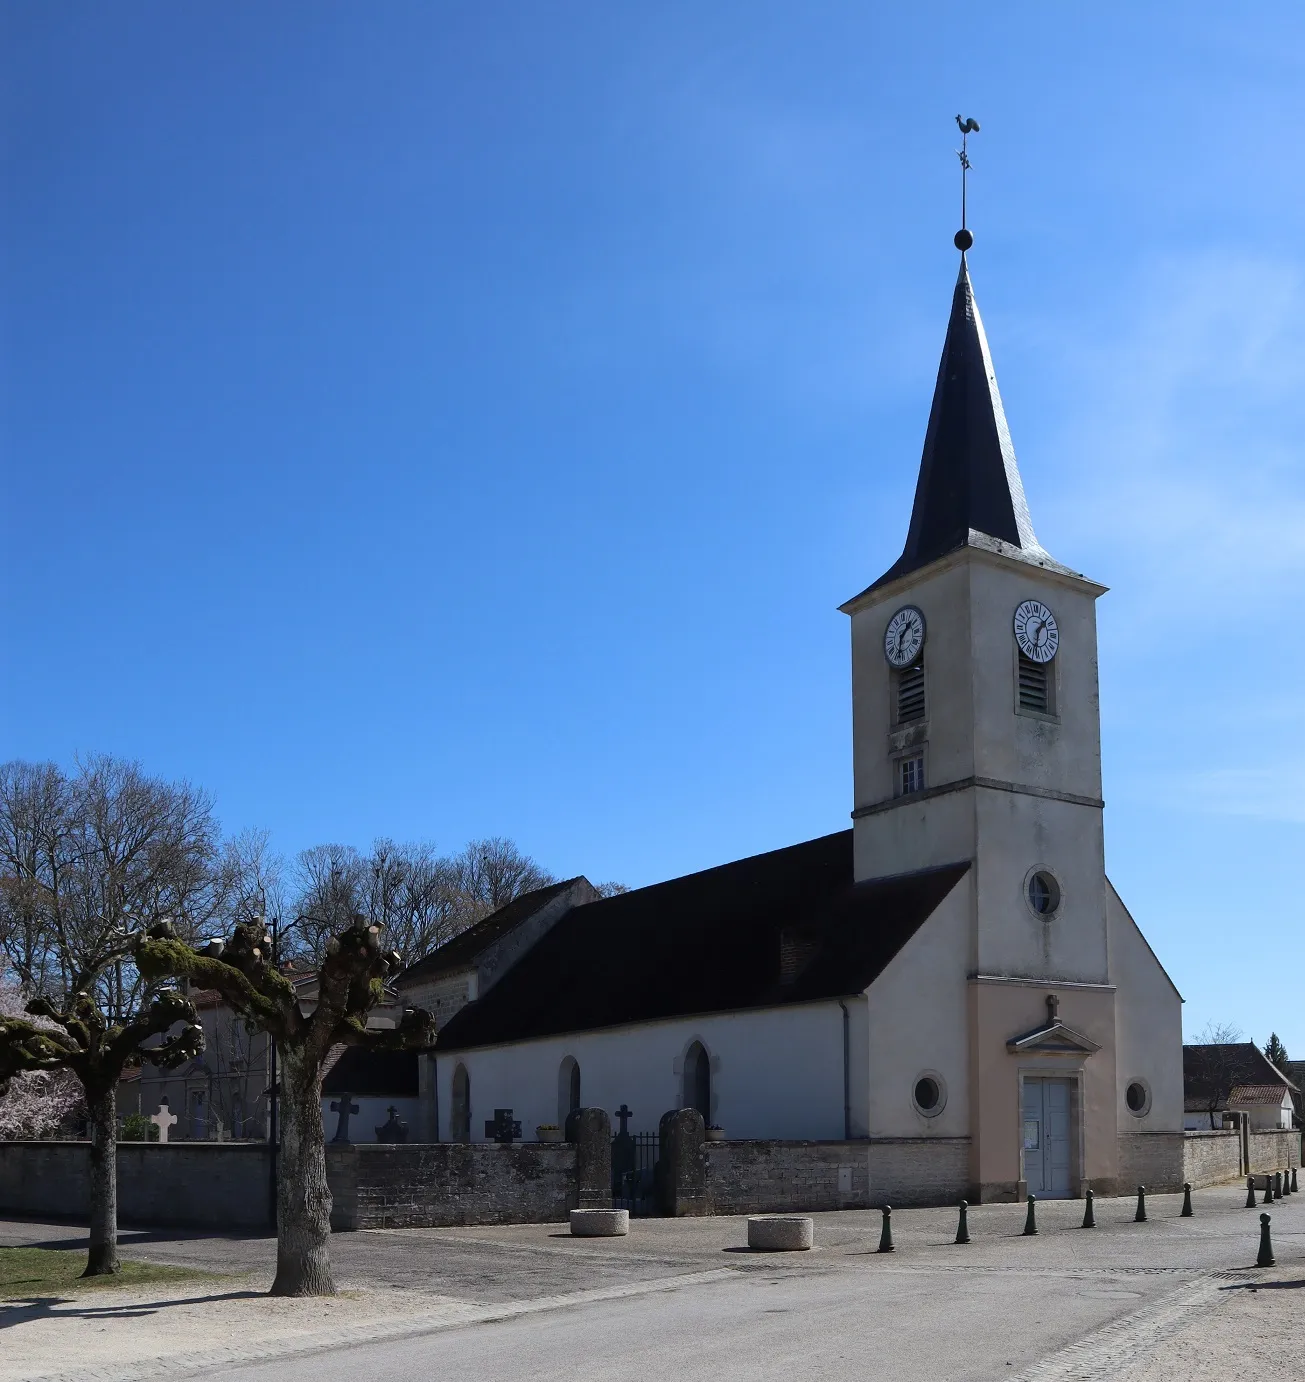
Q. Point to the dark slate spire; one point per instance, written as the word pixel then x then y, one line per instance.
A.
pixel 969 492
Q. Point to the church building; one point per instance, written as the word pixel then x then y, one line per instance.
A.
pixel 952 982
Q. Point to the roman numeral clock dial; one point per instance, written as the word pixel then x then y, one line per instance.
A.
pixel 1036 631
pixel 904 637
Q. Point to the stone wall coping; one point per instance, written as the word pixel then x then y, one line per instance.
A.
pixel 855 1142
pixel 178 1146
pixel 1196 1132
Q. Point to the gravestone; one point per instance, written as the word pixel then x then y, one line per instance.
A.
pixel 503 1128
pixel 395 1129
pixel 163 1120
pixel 624 1161
pixel 344 1106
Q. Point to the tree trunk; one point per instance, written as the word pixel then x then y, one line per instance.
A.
pixel 303 1198
pixel 103 1257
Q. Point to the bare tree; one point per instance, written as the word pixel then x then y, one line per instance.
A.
pixel 350 982
pixel 94 858
pixel 1214 1064
pixel 493 872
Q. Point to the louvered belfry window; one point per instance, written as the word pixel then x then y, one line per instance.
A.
pixel 910 693
pixel 1035 685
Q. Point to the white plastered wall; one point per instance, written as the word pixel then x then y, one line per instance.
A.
pixel 918 1024
pixel 1149 1025
pixel 775 1073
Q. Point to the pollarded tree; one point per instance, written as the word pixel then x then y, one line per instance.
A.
pixel 76 1036
pixel 350 981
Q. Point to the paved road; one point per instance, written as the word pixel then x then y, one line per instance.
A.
pixel 678 1294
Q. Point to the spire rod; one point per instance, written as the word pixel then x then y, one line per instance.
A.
pixel 963 239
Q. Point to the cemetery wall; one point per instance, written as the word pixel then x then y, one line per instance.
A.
pixel 441 1184
pixel 1271 1151
pixel 195 1184
pixel 1210 1156
pixel 776 1177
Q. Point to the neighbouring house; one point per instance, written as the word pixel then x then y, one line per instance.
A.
pixel 1235 1078
pixel 1295 1072
pixel 953 979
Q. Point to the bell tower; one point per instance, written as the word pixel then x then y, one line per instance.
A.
pixel 974 690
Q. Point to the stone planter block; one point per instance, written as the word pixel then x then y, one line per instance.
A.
pixel 780 1232
pixel 600 1223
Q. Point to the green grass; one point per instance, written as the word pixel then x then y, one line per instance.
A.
pixel 47 1271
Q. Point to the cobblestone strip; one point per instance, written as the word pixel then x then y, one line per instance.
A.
pixel 1106 1352
pixel 450 1316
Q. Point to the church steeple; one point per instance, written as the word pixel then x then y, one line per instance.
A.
pixel 969 492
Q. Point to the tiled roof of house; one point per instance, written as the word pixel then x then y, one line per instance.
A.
pixel 1210 1070
pixel 1258 1094
pixel 709 942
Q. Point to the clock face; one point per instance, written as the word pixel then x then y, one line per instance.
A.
pixel 1036 631
pixel 904 636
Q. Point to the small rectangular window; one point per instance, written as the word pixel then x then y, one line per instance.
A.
pixel 910 693
pixel 1035 686
pixel 910 774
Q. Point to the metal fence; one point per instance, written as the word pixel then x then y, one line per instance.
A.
pixel 634 1164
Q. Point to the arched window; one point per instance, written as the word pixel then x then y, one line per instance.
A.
pixel 697 1080
pixel 568 1089
pixel 460 1116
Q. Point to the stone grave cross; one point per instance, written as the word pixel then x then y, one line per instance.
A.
pixel 344 1106
pixel 624 1114
pixel 503 1128
pixel 163 1120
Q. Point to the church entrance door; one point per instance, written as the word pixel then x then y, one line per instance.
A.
pixel 1048 1149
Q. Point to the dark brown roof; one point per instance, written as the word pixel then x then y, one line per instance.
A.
pixel 1211 1069
pixel 709 942
pixel 360 1071
pixel 462 951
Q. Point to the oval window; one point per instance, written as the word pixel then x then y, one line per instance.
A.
pixel 1137 1097
pixel 1044 894
pixel 926 1094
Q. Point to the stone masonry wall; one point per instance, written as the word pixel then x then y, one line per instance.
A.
pixel 1272 1151
pixel 1157 1160
pixel 777 1177
pixel 1212 1157
pixel 192 1184
pixel 440 1184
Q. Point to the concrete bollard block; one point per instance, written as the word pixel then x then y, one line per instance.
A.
pixel 1265 1258
pixel 600 1223
pixel 1089 1210
pixel 1186 1211
pixel 1031 1218
pixel 780 1232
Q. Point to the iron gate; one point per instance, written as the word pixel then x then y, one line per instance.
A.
pixel 634 1165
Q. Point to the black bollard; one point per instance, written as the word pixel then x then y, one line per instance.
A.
pixel 1268 1190
pixel 1089 1213
pixel 1186 1211
pixel 1140 1216
pixel 886 1235
pixel 1031 1218
pixel 1295 1189
pixel 1265 1259
pixel 1277 1185
pixel 963 1228
pixel 1251 1201
pixel 1286 1183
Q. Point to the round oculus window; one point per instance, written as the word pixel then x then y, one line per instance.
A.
pixel 929 1095
pixel 1138 1098
pixel 1043 894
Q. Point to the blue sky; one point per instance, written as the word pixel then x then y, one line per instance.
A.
pixel 440 420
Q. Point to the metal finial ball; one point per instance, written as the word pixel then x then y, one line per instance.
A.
pixel 963 240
